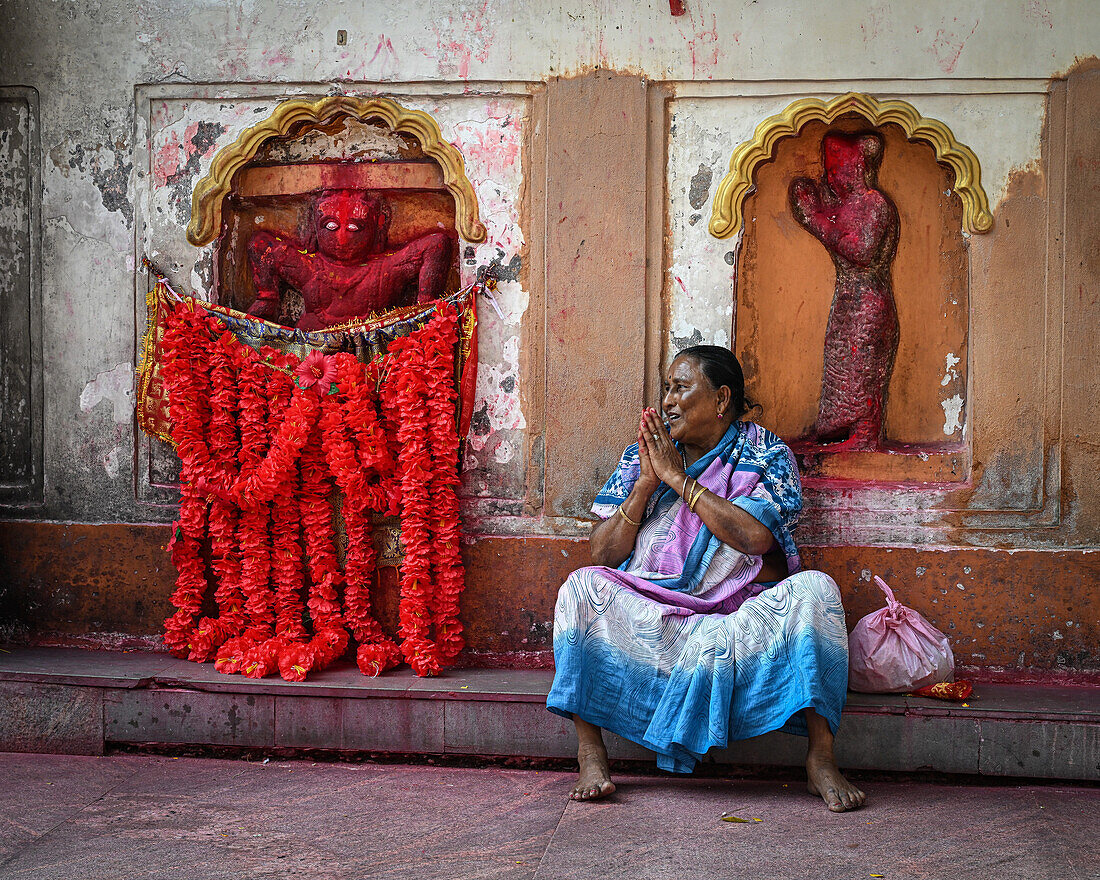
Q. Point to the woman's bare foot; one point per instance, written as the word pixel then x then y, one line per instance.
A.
pixel 823 776
pixel 824 779
pixel 594 781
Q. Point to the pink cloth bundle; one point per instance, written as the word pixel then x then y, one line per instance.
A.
pixel 895 650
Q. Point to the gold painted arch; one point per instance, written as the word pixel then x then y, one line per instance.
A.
pixel 206 199
pixel 726 217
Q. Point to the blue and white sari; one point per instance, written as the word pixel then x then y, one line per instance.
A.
pixel 679 649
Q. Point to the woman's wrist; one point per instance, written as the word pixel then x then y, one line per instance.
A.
pixel 643 491
pixel 684 485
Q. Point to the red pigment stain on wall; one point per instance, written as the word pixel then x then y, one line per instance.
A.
pixel 456 45
pixel 166 162
pixel 948 46
pixel 492 150
pixel 384 59
pixel 703 44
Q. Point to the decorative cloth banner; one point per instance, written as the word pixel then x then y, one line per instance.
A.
pixel 266 438
pixel 366 339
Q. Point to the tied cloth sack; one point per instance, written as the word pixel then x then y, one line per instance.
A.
pixel 895 650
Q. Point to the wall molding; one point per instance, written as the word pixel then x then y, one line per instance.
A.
pixel 726 218
pixel 302 115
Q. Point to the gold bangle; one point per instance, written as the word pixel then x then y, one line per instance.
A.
pixel 627 518
pixel 696 496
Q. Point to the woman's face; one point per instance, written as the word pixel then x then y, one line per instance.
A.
pixel 691 405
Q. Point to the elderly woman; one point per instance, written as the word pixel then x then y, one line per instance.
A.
pixel 696 626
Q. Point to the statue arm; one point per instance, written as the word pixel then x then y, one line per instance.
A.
pixel 425 261
pixel 435 263
pixel 807 206
pixel 273 259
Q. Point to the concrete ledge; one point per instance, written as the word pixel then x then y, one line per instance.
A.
pixel 56 718
pixel 68 700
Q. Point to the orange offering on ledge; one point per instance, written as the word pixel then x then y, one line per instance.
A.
pixel 946 690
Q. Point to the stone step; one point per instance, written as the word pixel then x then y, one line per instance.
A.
pixel 76 701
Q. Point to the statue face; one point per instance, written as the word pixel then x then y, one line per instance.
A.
pixel 844 163
pixel 350 226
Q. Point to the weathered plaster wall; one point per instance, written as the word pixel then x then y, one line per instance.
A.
pixel 595 134
pixel 185 128
pixel 113 156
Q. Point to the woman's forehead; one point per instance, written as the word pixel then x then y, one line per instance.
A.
pixel 684 369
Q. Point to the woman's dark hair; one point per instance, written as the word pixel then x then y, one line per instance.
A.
pixel 721 367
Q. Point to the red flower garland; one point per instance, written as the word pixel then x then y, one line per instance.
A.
pixel 257 495
pixel 183 375
pixel 262 393
pixel 280 601
pixel 409 402
pixel 211 633
pixel 446 560
pixel 286 447
pixel 330 639
pixel 377 652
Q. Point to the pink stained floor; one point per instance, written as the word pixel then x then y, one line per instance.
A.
pixel 130 816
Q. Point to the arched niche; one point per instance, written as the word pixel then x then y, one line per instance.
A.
pixel 269 177
pixel 785 281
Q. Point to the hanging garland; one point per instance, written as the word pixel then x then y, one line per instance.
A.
pixel 266 440
pixel 222 516
pixel 359 470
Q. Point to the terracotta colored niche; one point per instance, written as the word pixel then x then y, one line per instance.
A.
pixel 785 290
pixel 332 223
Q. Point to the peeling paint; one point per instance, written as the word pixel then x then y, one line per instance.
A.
pixel 495 408
pixel 699 191
pixel 950 374
pixel 199 141
pixel 952 410
pixel 110 462
pixel 115 386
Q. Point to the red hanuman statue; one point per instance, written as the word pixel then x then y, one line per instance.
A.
pixel 344 270
pixel 858 224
